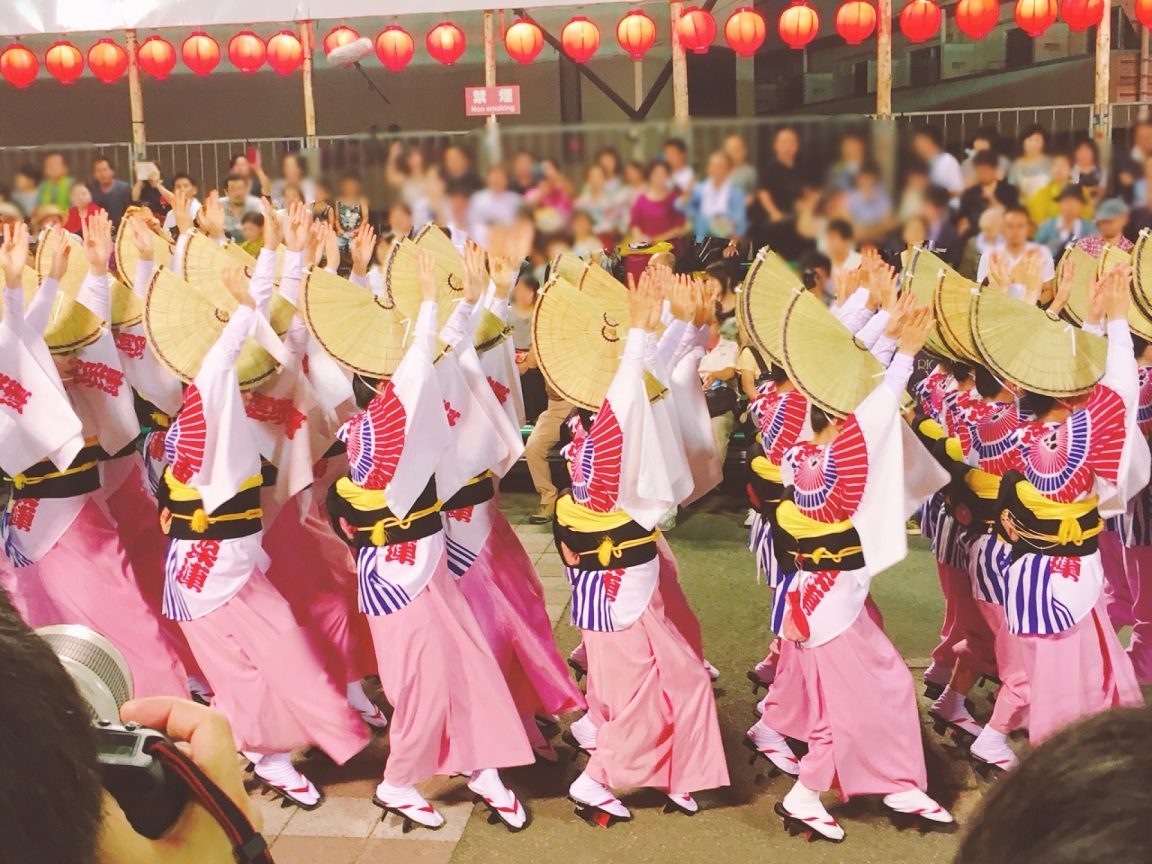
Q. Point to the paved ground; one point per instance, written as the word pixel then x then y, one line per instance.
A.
pixel 736 823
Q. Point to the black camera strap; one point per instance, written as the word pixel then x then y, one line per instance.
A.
pixel 248 844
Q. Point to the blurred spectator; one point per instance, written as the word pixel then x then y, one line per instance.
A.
pixel 495 204
pixel 1130 165
pixel 985 139
pixel 987 191
pixel 351 210
pixel 718 376
pixel 585 241
pixel 108 192
pixel 608 161
pixel 842 174
pixel 183 183
pixel 551 198
pixel 252 171
pixel 1045 202
pixel 1032 169
pixel 943 238
pixel 1140 187
pixel 146 192
pixel 655 216
pixel 913 234
pixel 816 273
pixel 743 175
pixel 1087 172
pixel 521 307
pixel 293 172
pixel 1111 220
pixel 456 216
pixel 238 201
pixel 989 236
pixel 943 169
pixel 322 210
pixel 525 174
pixel 782 182
pixel 840 247
pixel 603 204
pixel 635 179
pixel 1017 227
pixel 82 207
pixel 719 283
pixel 46 216
pixel 406 172
pixel 869 206
pixel 458 171
pixel 676 157
pixel 400 222
pixel 1067 226
pixel 10 214
pixel 56 185
pixel 252 227
pixel 25 189
pixel 716 206
pixel 916 183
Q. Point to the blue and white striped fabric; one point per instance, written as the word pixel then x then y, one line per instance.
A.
pixel 988 568
pixel 18 558
pixel 174 606
pixel 1032 608
pixel 949 546
pixel 930 523
pixel 760 543
pixel 591 609
pixel 460 557
pixel 378 596
pixel 780 602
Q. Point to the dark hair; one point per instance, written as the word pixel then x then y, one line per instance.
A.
pixel 870 168
pixel 990 134
pixel 251 218
pixel 932 133
pixel 840 226
pixel 1139 346
pixel 182 175
pixel 295 157
pixel 1016 208
pixel 236 157
pixel 402 206
pixel 938 196
pixel 676 144
pixel 1081 797
pixel 722 274
pixel 813 260
pixel 51 801
pixel 1091 145
pixel 100 157
pixel 234 178
pixel 1035 129
pixel 610 151
pixel 529 281
pixel 987 384
pixel 364 390
pixel 776 373
pixel 820 420
pixel 653 165
pixel 961 371
pixel 29 171
pixel 1038 404
pixel 52 153
pixel 985 159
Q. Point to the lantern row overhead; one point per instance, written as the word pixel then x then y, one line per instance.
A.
pixel 745 31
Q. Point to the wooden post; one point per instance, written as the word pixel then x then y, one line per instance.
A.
pixel 308 41
pixel 1142 90
pixel 490 81
pixel 679 69
pixel 135 97
pixel 1101 102
pixel 884 60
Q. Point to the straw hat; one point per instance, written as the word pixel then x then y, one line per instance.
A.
pixel 823 360
pixel 1087 268
pixel 1142 271
pixel 183 321
pixel 579 344
pixel 71 326
pixel 1032 348
pixel 128 256
pixel 763 299
pixel 490 332
pixel 568 267
pixel 449 265
pixel 204 260
pixel 952 306
pixel 362 331
pixel 127 307
pixel 922 278
pixel 402 282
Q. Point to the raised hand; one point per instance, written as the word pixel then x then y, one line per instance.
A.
pixel 1064 288
pixel 1117 296
pixel 61 254
pixel 901 312
pixel 237 284
pixel 915 331
pixel 97 233
pixel 14 254
pixel 426 270
pixel 317 240
pixel 475 273
pixel 331 250
pixel 363 246
pixel 181 201
pixel 1032 275
pixel 682 298
pixel 142 236
pixel 297 227
pixel 500 271
pixel 272 233
pixel 212 216
pixel 999 277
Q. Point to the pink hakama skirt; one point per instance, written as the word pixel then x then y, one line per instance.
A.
pixel 861 709
pixel 88 578
pixel 676 609
pixel 1074 674
pixel 453 712
pixel 28 596
pixel 315 572
pixel 506 597
pixel 269 680
pixel 1118 594
pixel 652 700
pixel 976 649
pixel 1015 693
pixel 956 585
pixel 1139 571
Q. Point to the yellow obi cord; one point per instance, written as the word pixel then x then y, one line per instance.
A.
pixel 20 481
pixel 1069 514
pixel 765 470
pixel 367 500
pixel 983 484
pixel 576 516
pixel 790 519
pixel 200 521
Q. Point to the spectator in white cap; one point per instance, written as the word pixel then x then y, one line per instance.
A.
pixel 1111 219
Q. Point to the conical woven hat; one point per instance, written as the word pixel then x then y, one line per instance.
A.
pixel 127 307
pixel 449 264
pixel 490 332
pixel 71 326
pixel 1087 267
pixel 1028 346
pixel 579 345
pixel 182 322
pixel 823 360
pixel 363 332
pixel 1142 272
pixel 205 260
pixel 128 256
pixel 402 283
pixel 952 307
pixel 922 278
pixel 764 298
pixel 568 267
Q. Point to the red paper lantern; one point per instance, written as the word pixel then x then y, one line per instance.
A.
pixel 524 41
pixel 920 20
pixel 798 24
pixel 1079 15
pixel 201 53
pixel 446 43
pixel 395 47
pixel 581 39
pixel 107 60
pixel 285 53
pixel 64 62
pixel 856 21
pixel 636 33
pixel 697 29
pixel 976 18
pixel 745 31
pixel 338 37
pixel 157 57
pixel 1035 16
pixel 18 65
pixel 1144 12
pixel 247 51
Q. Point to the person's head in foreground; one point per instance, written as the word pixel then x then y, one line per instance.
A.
pixel 53 809
pixel 1083 797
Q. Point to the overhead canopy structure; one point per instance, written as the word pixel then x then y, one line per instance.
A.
pixel 22 17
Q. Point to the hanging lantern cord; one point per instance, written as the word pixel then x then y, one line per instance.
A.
pixel 372 84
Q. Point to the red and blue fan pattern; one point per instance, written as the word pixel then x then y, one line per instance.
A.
pixel 1144 407
pixel 375 440
pixel 186 438
pixel 829 480
pixel 594 463
pixel 780 417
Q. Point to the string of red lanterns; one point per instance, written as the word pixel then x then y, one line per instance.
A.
pixel 744 31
